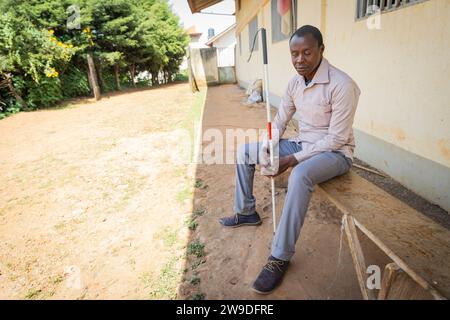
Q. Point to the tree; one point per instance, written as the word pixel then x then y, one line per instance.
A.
pixel 40 51
pixel 29 54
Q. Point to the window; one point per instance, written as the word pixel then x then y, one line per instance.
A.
pixel 284 19
pixel 252 29
pixel 365 8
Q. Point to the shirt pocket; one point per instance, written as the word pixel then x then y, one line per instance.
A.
pixel 317 115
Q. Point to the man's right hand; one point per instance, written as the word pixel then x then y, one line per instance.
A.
pixel 268 168
pixel 264 154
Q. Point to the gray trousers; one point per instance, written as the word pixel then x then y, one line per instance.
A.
pixel 304 176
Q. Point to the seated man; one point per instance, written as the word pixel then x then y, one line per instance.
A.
pixel 326 100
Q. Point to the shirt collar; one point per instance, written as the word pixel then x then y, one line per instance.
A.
pixel 322 74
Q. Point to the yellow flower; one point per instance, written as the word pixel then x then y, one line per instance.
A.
pixel 51 73
pixel 51 31
pixel 60 43
pixel 70 46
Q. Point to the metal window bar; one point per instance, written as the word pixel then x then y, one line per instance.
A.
pixel 294 15
pixel 364 8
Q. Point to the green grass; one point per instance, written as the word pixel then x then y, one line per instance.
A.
pixel 195 280
pixel 169 236
pixel 196 248
pixel 199 212
pixel 196 264
pixel 179 171
pixel 32 294
pixel 194 116
pixel 58 280
pixel 185 194
pixel 191 223
pixel 166 284
pixel 198 296
pixel 199 184
pixel 60 226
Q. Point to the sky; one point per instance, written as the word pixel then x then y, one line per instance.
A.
pixel 205 21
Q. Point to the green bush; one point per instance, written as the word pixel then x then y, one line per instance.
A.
pixel 8 106
pixel 75 83
pixel 109 81
pixel 43 94
pixel 182 76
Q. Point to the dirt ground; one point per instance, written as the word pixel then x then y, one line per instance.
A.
pixel 98 202
pixel 93 198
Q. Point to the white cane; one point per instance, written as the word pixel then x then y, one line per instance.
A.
pixel 269 123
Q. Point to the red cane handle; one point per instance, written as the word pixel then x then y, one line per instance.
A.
pixel 269 130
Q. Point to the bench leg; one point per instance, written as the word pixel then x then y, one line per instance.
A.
pixel 398 285
pixel 390 273
pixel 357 256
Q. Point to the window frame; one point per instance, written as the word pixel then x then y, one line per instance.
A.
pixel 385 8
pixel 294 4
pixel 251 36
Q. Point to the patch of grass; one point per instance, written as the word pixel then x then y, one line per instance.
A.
pixel 199 184
pixel 146 278
pixel 184 194
pixel 195 112
pixel 166 284
pixel 196 248
pixel 194 115
pixel 133 187
pixel 198 296
pixel 179 171
pixel 32 294
pixel 197 263
pixel 60 226
pixel 195 280
pixel 191 223
pixel 199 212
pixel 58 280
pixel 169 236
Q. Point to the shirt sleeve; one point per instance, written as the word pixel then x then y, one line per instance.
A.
pixel 286 110
pixel 343 108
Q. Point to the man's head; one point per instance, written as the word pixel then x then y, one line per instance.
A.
pixel 306 45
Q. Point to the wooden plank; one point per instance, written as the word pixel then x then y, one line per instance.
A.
pixel 358 257
pixel 418 245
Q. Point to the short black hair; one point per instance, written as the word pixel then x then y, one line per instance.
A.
pixel 307 29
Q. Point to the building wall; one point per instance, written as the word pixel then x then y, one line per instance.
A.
pixel 225 49
pixel 403 120
pixel 402 125
pixel 279 68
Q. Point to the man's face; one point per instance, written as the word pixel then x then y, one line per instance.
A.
pixel 306 55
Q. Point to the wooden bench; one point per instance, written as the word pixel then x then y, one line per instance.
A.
pixel 418 246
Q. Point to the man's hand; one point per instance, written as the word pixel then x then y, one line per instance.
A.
pixel 264 151
pixel 284 164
